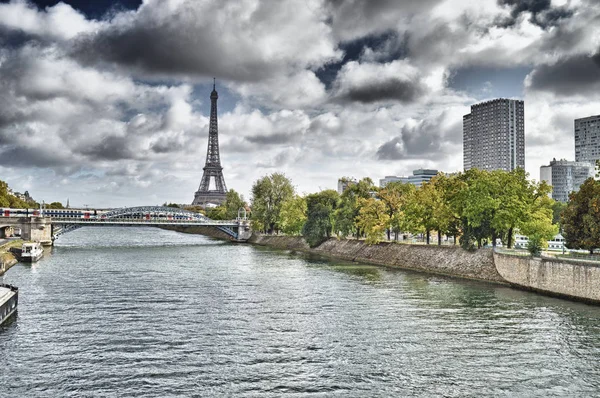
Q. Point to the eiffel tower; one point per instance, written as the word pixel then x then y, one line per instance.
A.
pixel 212 168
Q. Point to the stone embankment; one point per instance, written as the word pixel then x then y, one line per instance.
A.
pixel 447 260
pixel 7 258
pixel 555 277
pixel 564 278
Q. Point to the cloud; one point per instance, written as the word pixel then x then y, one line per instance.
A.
pixel 420 139
pixel 541 12
pixel 59 22
pixel 577 75
pixel 247 41
pixel 397 81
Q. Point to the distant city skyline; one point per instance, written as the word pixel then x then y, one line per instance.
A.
pixel 105 102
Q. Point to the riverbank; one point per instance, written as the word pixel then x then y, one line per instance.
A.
pixel 569 280
pixel 444 260
pixel 7 258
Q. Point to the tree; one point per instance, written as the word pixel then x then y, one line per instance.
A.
pixel 349 207
pixel 395 196
pixel 320 208
pixel 217 213
pixel 233 202
pixel 581 218
pixel 557 209
pixel 373 218
pixel 539 229
pixel 268 195
pixel 55 205
pixel 293 215
pixel 228 210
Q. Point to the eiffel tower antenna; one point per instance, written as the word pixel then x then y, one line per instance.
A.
pixel 212 168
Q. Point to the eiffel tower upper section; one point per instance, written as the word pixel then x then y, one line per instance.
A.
pixel 212 168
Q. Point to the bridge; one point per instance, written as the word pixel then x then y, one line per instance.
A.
pixel 48 225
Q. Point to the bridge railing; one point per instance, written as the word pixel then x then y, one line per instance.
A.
pixel 68 220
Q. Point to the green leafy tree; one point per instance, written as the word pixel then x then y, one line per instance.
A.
pixel 228 210
pixel 217 213
pixel 349 207
pixel 55 205
pixel 293 215
pixel 539 229
pixel 581 218
pixel 268 195
pixel 320 208
pixel 233 202
pixel 395 196
pixel 557 209
pixel 374 219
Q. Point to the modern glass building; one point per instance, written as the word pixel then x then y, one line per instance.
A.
pixel 566 176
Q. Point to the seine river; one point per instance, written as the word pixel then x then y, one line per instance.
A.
pixel 142 312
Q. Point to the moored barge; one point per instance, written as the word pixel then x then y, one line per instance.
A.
pixel 9 298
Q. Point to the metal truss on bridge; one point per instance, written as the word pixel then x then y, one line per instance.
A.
pixel 151 216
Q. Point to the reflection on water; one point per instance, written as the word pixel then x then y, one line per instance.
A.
pixel 149 313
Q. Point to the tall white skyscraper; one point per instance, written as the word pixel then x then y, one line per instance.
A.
pixel 587 139
pixel 494 135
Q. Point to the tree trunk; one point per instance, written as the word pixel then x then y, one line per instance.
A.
pixel 479 243
pixel 454 240
pixel 494 237
pixel 439 238
pixel 389 232
pixel 509 239
pixel 428 236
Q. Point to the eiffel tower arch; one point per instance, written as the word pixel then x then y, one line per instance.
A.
pixel 212 168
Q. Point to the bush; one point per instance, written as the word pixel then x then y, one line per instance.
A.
pixel 535 246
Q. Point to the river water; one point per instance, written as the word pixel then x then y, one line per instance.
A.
pixel 142 312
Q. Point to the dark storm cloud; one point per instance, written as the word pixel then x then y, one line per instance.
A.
pixel 210 38
pixel 542 12
pixel 155 50
pixel 425 139
pixel 272 139
pixel 392 150
pixel 167 146
pixel 392 89
pixel 110 148
pixel 11 38
pixel 21 156
pixel 571 76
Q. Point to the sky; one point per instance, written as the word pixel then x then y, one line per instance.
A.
pixel 106 103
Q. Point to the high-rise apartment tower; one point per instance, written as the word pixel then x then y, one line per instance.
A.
pixel 494 135
pixel 587 139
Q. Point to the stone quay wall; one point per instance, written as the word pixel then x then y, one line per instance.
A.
pixel 446 260
pixel 564 278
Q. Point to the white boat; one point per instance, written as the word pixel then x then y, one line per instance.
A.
pixel 31 252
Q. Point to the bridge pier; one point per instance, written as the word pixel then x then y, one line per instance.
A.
pixel 36 229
